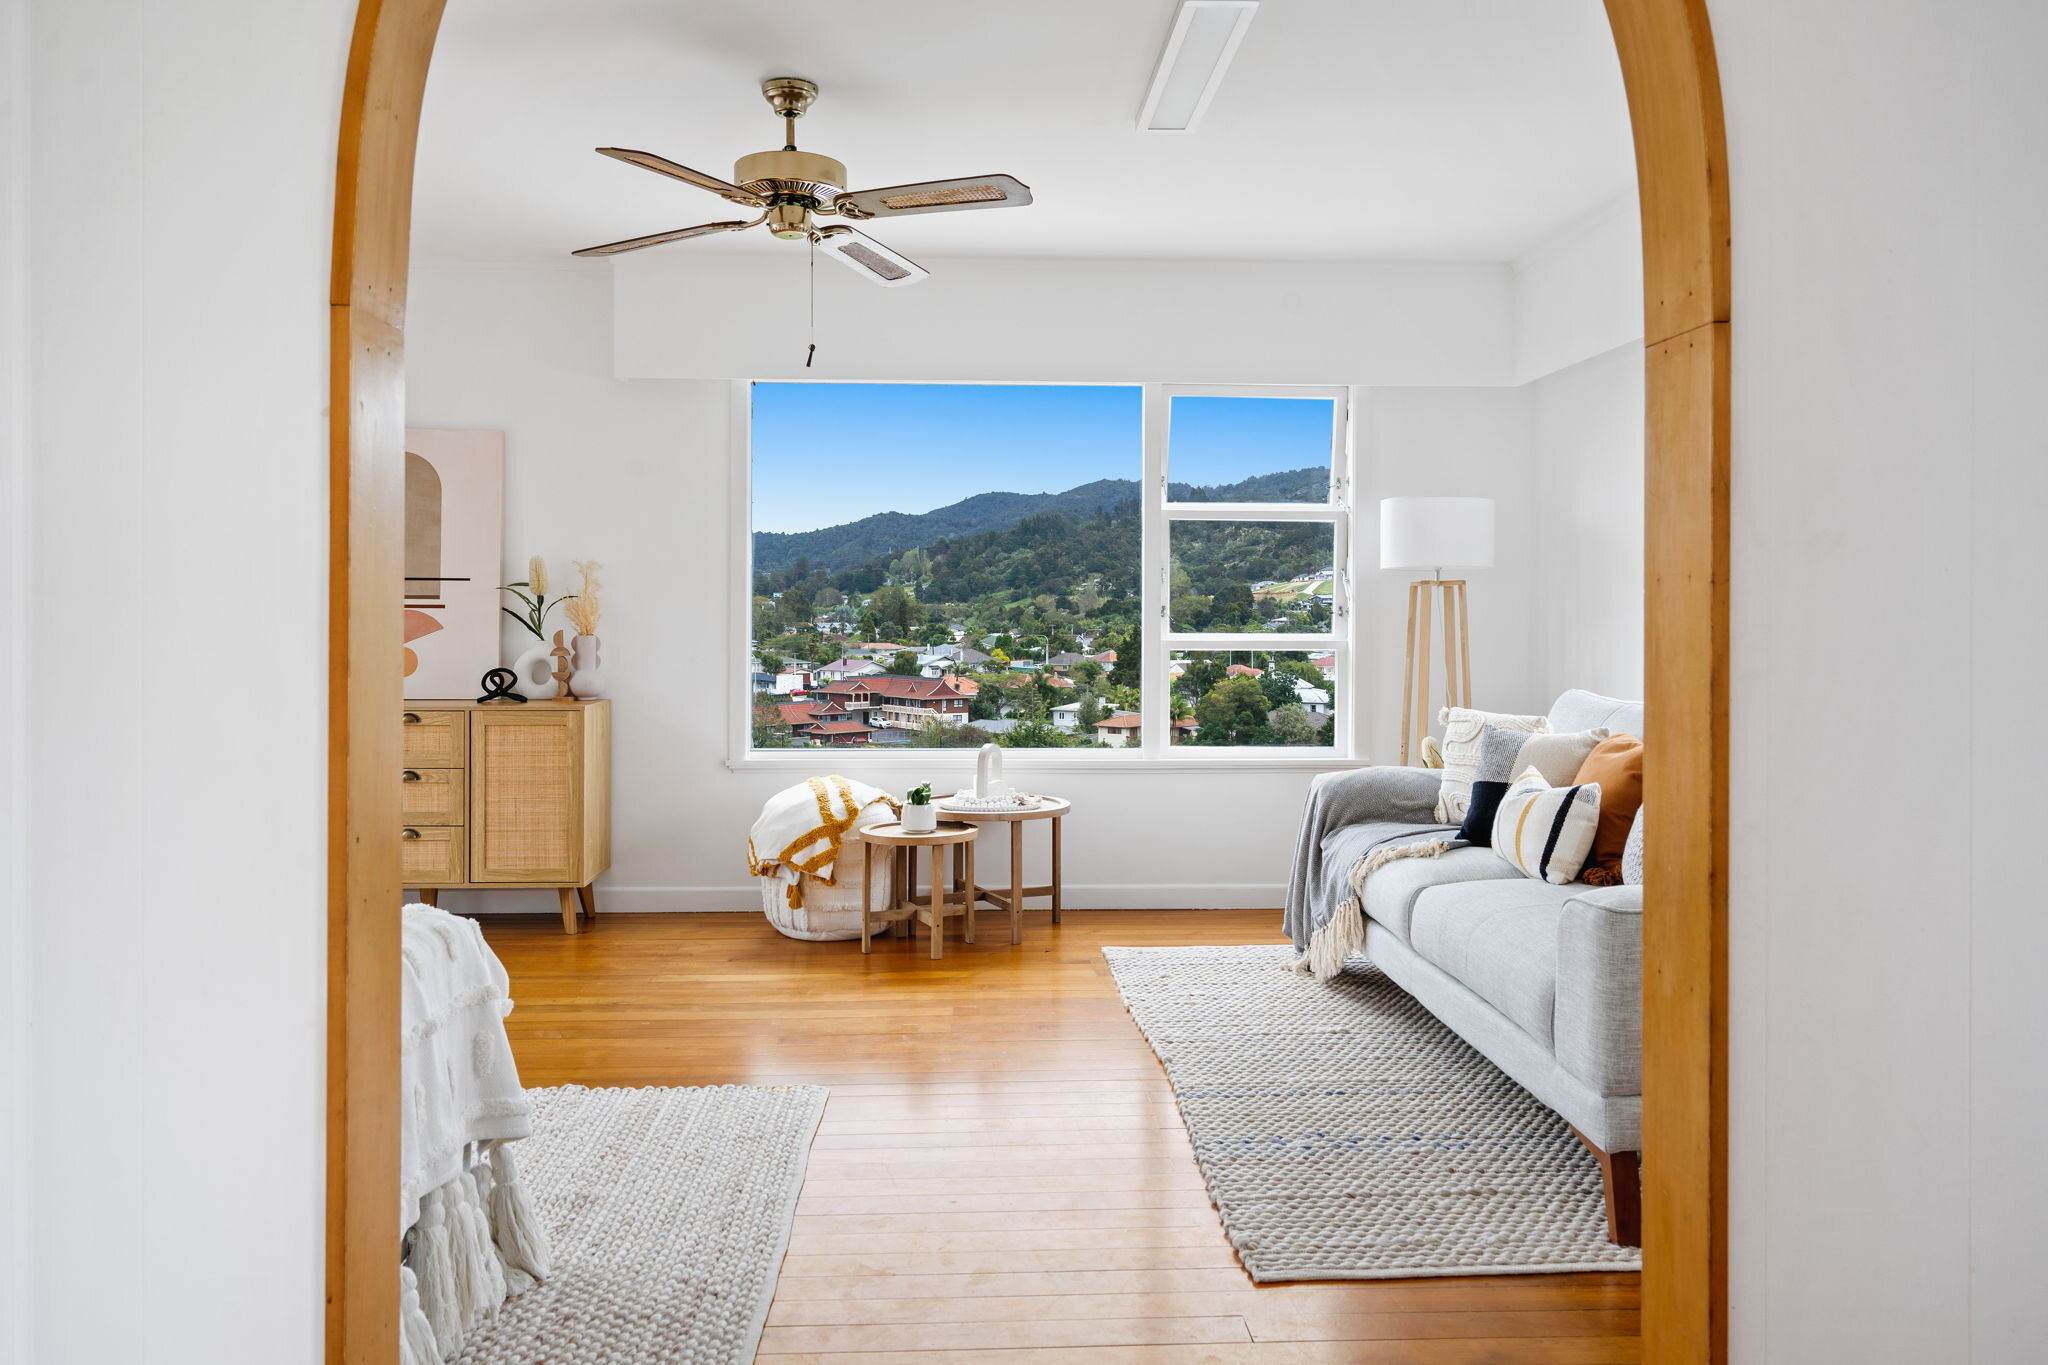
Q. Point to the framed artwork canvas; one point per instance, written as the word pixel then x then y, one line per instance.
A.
pixel 454 548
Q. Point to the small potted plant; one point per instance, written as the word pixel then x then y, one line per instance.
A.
pixel 920 816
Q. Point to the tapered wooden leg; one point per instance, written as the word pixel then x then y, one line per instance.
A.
pixel 1427 596
pixel 938 901
pixel 966 854
pixel 867 889
pixel 430 895
pixel 1016 881
pixel 1058 887
pixel 904 886
pixel 1408 679
pixel 567 896
pixel 1464 647
pixel 1621 1180
pixel 588 895
pixel 1449 593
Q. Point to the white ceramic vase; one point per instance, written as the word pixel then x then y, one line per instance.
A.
pixel 586 678
pixel 920 819
pixel 536 670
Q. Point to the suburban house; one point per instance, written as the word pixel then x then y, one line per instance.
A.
pixel 1119 730
pixel 890 702
pixel 848 667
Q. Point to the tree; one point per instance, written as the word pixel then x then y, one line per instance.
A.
pixel 1088 672
pixel 795 608
pixel 1233 712
pixel 1128 649
pixel 1293 725
pixel 934 634
pixel 765 624
pixel 1035 734
pixel 1090 712
pixel 771 662
pixel 902 664
pixel 1278 688
pixel 987 704
pixel 939 734
pixel 896 611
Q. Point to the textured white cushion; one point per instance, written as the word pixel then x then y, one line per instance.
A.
pixel 1462 731
pixel 1632 853
pixel 1558 756
pixel 1547 831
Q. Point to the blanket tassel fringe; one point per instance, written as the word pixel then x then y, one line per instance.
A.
pixel 1344 932
pixel 477 1239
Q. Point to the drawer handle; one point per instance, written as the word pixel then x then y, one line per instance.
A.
pixel 411 776
pixel 408 834
pixel 412 718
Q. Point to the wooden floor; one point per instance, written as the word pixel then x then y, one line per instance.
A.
pixel 1001 1176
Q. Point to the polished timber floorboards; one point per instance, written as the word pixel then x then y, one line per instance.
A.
pixel 1001 1177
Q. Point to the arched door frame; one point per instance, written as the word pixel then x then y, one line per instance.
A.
pixel 1667 60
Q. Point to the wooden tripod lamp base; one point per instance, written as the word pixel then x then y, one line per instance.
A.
pixel 1424 595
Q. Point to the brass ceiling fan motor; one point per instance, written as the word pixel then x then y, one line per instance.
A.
pixel 792 187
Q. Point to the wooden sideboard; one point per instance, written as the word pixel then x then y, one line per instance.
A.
pixel 508 796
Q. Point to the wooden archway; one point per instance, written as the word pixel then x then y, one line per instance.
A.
pixel 1667 60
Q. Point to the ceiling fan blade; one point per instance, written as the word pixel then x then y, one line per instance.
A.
pixel 936 196
pixel 865 256
pixel 656 239
pixel 661 165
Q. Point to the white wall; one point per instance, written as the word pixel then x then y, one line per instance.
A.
pixel 169 635
pixel 635 473
pixel 1891 477
pixel 1173 321
pixel 1579 292
pixel 1586 484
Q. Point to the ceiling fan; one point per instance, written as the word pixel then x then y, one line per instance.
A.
pixel 791 187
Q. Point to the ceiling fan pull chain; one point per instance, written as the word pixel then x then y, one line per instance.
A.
pixel 812 283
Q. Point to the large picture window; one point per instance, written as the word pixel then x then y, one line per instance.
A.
pixel 1122 571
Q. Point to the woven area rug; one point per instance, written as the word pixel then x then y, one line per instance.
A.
pixel 1345 1134
pixel 668 1210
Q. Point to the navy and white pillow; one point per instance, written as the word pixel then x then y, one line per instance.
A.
pixel 1499 756
pixel 1547 831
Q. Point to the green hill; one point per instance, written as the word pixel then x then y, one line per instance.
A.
pixel 891 533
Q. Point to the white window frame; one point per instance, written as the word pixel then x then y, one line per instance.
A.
pixel 1155 751
pixel 1157 633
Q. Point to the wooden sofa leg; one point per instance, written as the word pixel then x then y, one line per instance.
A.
pixel 1621 1179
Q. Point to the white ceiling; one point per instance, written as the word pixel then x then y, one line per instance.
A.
pixel 1346 130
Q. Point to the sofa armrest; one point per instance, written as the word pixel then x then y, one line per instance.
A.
pixel 1358 795
pixel 1599 1023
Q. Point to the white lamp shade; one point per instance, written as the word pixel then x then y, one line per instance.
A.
pixel 1436 533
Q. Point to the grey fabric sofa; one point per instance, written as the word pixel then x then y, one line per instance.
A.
pixel 1545 980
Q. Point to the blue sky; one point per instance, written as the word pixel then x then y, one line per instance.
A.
pixel 831 453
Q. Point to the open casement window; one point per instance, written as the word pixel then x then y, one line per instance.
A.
pixel 1246 612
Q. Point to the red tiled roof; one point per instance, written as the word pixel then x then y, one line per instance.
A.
pixel 793 714
pixel 1130 720
pixel 1243 671
pixel 1062 682
pixel 1107 656
pixel 844 727
pixel 898 688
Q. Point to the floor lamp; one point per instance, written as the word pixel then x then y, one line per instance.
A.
pixel 1435 534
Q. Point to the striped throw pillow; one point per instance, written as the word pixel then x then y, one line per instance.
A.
pixel 1547 831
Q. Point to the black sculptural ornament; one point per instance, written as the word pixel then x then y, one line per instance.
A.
pixel 497 685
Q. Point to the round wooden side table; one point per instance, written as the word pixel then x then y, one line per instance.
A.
pixel 1051 808
pixel 906 906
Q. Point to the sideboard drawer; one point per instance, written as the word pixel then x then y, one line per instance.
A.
pixel 432 796
pixel 436 739
pixel 431 855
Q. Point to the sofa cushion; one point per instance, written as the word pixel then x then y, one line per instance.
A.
pixel 1390 892
pixel 1499 940
pixel 1577 709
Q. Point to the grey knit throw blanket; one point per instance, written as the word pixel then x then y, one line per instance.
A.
pixel 1324 917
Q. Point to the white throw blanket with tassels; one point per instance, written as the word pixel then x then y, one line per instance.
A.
pixel 1343 934
pixel 474 1236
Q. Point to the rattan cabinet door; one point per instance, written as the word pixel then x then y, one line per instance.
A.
pixel 525 795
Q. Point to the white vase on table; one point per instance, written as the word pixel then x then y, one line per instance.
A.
pixel 920 819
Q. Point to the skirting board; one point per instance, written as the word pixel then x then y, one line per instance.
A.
pixel 629 900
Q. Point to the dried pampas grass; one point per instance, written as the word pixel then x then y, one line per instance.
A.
pixel 582 609
pixel 537 576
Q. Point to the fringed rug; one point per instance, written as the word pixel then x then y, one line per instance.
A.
pixel 669 1211
pixel 1345 1134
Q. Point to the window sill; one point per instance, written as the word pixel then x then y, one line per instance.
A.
pixel 1038 761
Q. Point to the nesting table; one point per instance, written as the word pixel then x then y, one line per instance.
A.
pixel 905 905
pixel 1012 898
